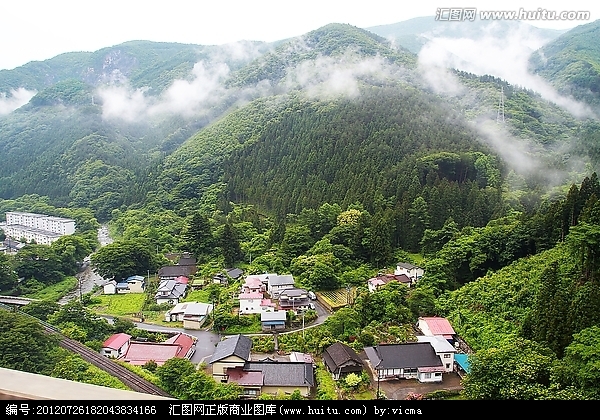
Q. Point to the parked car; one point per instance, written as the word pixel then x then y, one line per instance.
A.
pixel 312 306
pixel 312 296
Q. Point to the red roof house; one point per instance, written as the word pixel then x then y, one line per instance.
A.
pixel 436 325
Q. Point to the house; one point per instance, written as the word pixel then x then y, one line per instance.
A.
pixel 188 260
pixel 442 348
pixel 413 272
pixel 110 287
pixel 273 377
pixel 197 283
pixel 276 284
pixel 250 303
pixel 231 362
pixel 234 273
pixel 192 314
pixel 340 359
pixel 171 272
pixel 170 291
pixel 405 361
pixel 254 303
pixel 273 321
pixel 231 352
pixel 228 274
pixel 182 279
pixel 116 345
pixel 382 279
pixel 181 258
pixel 436 325
pixel 180 345
pixel 294 299
pixel 253 285
pixel 135 284
pixel 221 278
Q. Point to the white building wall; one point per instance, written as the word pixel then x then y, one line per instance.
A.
pixel 58 225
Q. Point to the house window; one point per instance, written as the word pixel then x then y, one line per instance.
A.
pixel 447 365
pixel 428 375
pixel 446 356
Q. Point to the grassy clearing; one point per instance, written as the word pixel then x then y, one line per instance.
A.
pixel 56 291
pixel 119 305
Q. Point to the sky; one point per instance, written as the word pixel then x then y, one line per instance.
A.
pixel 36 30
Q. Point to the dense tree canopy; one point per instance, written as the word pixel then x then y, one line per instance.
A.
pixel 122 259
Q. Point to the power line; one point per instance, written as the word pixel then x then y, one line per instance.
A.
pixel 500 116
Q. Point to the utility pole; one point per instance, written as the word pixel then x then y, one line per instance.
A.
pixel 500 116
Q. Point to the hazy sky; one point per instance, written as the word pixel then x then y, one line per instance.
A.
pixel 41 29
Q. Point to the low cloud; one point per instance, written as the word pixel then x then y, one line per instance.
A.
pixel 183 97
pixel 505 57
pixel 16 99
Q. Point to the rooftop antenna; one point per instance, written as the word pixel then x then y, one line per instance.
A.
pixel 500 116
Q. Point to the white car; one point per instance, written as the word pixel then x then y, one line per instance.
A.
pixel 312 296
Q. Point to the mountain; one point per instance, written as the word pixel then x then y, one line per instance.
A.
pixel 413 34
pixel 92 123
pixel 571 63
pixel 339 114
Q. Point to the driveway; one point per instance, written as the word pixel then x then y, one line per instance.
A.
pixel 400 389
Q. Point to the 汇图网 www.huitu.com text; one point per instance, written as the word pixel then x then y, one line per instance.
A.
pixel 470 14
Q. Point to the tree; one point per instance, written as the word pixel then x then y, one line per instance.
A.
pixel 41 309
pixel 172 375
pixel 8 277
pixel 230 245
pixel 579 367
pixel 122 259
pixel 419 220
pixel 25 345
pixel 550 315
pixel 433 240
pixel 71 250
pixel 517 369
pixel 75 314
pixel 421 301
pixel 199 237
pixel 39 262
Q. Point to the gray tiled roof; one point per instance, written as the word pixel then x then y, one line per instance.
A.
pixel 281 280
pixel 339 354
pixel 238 345
pixel 407 355
pixel 284 373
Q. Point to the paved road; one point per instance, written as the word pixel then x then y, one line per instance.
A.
pixel 86 277
pixel 208 340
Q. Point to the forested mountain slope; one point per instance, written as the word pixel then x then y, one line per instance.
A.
pixel 339 114
pixel 571 63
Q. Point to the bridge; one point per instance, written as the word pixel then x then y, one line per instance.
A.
pixel 16 300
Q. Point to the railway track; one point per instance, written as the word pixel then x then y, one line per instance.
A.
pixel 133 381
pixel 130 379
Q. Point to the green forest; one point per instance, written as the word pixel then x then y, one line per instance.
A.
pixel 331 188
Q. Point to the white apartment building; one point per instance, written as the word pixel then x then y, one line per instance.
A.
pixel 41 228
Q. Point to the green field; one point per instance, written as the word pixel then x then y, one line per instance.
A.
pixel 338 298
pixel 127 304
